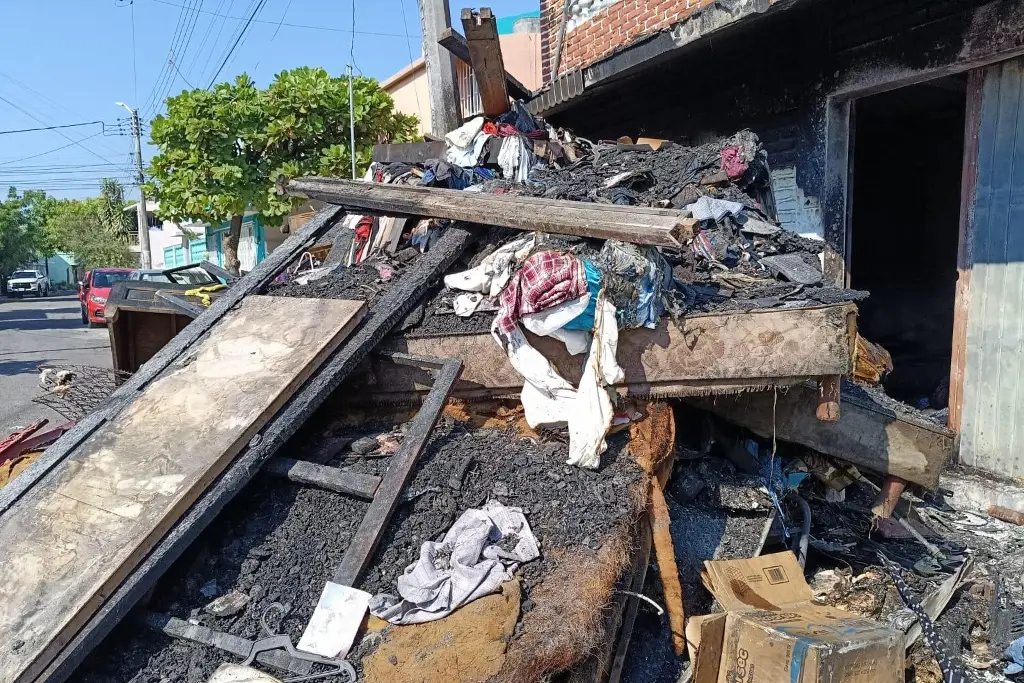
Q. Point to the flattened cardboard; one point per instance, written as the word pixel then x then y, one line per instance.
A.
pixel 773 632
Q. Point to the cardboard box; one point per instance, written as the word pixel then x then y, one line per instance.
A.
pixel 772 632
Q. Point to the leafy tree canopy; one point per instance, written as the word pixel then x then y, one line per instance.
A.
pixel 22 237
pixel 221 150
pixel 84 228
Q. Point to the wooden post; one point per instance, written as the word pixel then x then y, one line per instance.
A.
pixel 445 113
pixel 889 496
pixel 828 399
pixel 485 55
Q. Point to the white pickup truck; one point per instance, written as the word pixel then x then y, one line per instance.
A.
pixel 25 282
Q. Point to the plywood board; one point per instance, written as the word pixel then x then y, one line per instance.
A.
pixel 70 540
pixel 719 353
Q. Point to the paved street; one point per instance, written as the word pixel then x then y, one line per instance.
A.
pixel 41 331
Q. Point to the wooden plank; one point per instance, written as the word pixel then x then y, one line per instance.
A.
pixel 485 57
pixel 637 224
pixel 419 152
pixel 965 244
pixel 364 543
pixel 330 478
pixel 867 434
pixel 715 353
pixel 445 112
pixel 455 43
pixel 75 536
pixel 384 315
pixel 264 272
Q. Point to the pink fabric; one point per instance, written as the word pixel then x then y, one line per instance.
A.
pixel 546 279
pixel 732 162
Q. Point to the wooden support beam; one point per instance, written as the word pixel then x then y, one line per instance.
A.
pixel 636 224
pixel 485 57
pixel 868 434
pixel 364 543
pixel 454 42
pixel 330 478
pixel 889 497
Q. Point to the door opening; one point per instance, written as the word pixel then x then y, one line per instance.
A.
pixel 908 147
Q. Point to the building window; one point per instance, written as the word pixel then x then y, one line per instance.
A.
pixel 469 93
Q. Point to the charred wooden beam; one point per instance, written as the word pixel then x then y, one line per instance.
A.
pixel 485 57
pixel 331 478
pixel 636 224
pixel 371 529
pixel 455 43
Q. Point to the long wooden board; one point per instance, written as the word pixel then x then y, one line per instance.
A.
pixel 637 224
pixel 717 353
pixel 70 540
pixel 868 433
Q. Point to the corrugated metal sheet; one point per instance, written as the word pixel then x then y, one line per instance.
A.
pixel 992 432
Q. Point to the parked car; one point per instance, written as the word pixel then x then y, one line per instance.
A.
pixel 23 282
pixel 189 276
pixel 94 289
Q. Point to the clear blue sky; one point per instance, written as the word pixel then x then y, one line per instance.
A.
pixel 68 61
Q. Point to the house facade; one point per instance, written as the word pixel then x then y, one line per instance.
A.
pixel 894 132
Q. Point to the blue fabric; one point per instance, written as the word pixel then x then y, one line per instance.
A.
pixel 585 320
pixel 1015 653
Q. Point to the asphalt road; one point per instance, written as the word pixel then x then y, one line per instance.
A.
pixel 37 332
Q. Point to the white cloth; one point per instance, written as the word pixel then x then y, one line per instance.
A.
pixel 515 158
pixel 709 207
pixel 494 272
pixel 551 321
pixel 466 143
pixel 464 134
pixel 465 305
pixel 548 399
pixel 467 564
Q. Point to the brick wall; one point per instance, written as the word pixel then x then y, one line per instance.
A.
pixel 608 29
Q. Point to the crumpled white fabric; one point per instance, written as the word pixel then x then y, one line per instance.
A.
pixel 465 305
pixel 466 143
pixel 548 399
pixel 436 585
pixel 709 207
pixel 464 134
pixel 494 272
pixel 515 159
pixel 550 323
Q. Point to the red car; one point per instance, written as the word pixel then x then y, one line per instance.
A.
pixel 94 289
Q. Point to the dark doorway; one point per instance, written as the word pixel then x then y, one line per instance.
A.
pixel 907 162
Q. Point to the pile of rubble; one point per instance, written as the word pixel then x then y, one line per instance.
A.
pixel 573 531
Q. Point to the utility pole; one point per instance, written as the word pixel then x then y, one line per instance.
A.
pixel 146 258
pixel 445 113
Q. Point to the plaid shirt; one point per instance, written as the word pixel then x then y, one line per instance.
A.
pixel 547 278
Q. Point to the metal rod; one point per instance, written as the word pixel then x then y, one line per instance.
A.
pixel 352 121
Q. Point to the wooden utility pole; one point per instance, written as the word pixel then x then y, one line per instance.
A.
pixel 444 98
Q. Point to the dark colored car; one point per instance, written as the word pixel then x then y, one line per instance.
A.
pixel 94 289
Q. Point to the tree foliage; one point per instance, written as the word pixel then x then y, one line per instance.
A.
pixel 220 151
pixel 118 222
pixel 22 237
pixel 86 229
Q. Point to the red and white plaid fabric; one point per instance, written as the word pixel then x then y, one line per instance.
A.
pixel 547 278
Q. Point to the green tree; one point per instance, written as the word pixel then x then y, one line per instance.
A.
pixel 22 236
pixel 221 150
pixel 82 227
pixel 119 223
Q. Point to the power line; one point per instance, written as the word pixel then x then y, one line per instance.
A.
pixel 135 69
pixel 36 118
pixel 51 151
pixel 206 38
pixel 283 15
pixel 290 25
pixel 241 35
pixel 66 125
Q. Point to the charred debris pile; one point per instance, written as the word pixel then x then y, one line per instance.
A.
pixel 574 531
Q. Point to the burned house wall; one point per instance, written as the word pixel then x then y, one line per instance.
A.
pixel 780 75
